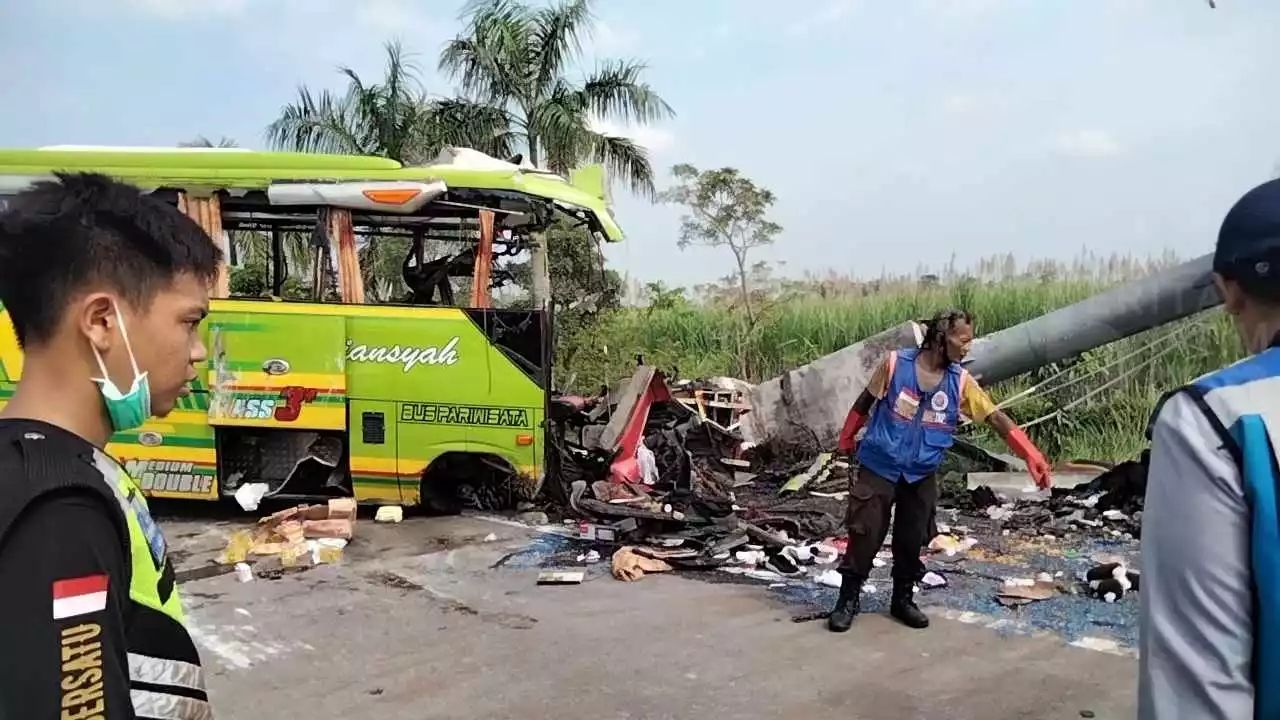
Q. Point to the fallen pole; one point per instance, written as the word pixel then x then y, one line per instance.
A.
pixel 1116 314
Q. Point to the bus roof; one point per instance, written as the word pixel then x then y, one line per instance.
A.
pixel 184 168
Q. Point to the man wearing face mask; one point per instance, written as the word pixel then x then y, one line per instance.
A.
pixel 106 289
pixel 911 409
pixel 1210 614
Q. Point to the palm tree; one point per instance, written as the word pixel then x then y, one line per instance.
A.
pixel 201 141
pixel 516 57
pixel 394 118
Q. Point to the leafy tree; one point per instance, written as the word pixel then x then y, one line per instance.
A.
pixel 725 209
pixel 583 290
pixel 250 280
pixel 381 265
pixel 393 118
pixel 663 298
pixel 516 56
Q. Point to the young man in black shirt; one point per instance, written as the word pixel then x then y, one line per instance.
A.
pixel 106 288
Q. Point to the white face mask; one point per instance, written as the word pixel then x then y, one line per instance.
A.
pixel 127 410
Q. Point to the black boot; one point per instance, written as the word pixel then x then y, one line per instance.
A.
pixel 847 606
pixel 903 606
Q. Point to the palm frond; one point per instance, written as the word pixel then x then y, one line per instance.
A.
pixel 560 125
pixel 392 118
pixel 323 124
pixel 457 122
pixel 626 160
pixel 252 248
pixel 513 54
pixel 387 112
pixel 201 141
pixel 615 90
pixel 491 58
pixel 557 33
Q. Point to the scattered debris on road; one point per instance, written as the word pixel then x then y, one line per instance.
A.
pixel 561 577
pixel 648 463
pixel 662 473
pixel 629 565
pixel 298 536
pixel 1110 581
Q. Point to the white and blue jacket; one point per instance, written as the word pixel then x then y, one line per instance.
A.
pixel 1210 621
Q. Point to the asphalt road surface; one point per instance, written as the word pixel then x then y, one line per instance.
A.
pixel 418 623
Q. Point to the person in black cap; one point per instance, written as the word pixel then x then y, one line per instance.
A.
pixel 1210 616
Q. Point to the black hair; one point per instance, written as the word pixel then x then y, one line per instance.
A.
pixel 1257 276
pixel 60 237
pixel 937 327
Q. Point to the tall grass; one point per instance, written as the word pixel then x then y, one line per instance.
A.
pixel 806 319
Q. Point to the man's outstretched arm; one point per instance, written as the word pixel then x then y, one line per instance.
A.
pixel 1196 627
pixel 977 404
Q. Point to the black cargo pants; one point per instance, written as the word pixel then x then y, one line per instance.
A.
pixel 871 501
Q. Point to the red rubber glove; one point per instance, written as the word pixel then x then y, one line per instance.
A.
pixel 853 422
pixel 1036 464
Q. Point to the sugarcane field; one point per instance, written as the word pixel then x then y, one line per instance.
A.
pixel 560 358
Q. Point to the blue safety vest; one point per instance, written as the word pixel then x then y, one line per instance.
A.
pixel 910 430
pixel 1242 403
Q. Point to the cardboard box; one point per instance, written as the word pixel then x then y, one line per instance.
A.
pixel 328 529
pixel 342 509
pixel 290 531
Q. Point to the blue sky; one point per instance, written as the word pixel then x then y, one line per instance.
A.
pixel 895 133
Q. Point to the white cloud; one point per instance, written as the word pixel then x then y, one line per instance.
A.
pixel 394 18
pixel 1087 143
pixel 185 9
pixel 833 11
pixel 962 7
pixel 837 9
pixel 608 40
pixel 960 103
pixel 656 140
pixel 1127 6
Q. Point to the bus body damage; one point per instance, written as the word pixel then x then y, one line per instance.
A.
pixel 402 391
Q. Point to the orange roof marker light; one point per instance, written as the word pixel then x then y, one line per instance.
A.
pixel 393 196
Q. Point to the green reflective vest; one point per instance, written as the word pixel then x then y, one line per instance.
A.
pixel 166 681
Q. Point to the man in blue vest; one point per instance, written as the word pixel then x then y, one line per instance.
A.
pixel 911 408
pixel 1210 617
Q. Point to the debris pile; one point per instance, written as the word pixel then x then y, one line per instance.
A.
pixel 299 536
pixel 1110 505
pixel 663 471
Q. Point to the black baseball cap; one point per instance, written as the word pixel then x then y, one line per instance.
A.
pixel 1249 240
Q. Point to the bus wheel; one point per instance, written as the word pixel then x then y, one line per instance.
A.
pixel 458 481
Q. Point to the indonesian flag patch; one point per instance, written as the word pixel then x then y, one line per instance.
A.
pixel 79 596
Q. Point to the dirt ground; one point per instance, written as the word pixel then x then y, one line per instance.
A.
pixel 429 619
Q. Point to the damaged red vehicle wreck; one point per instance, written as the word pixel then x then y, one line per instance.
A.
pixel 648 456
